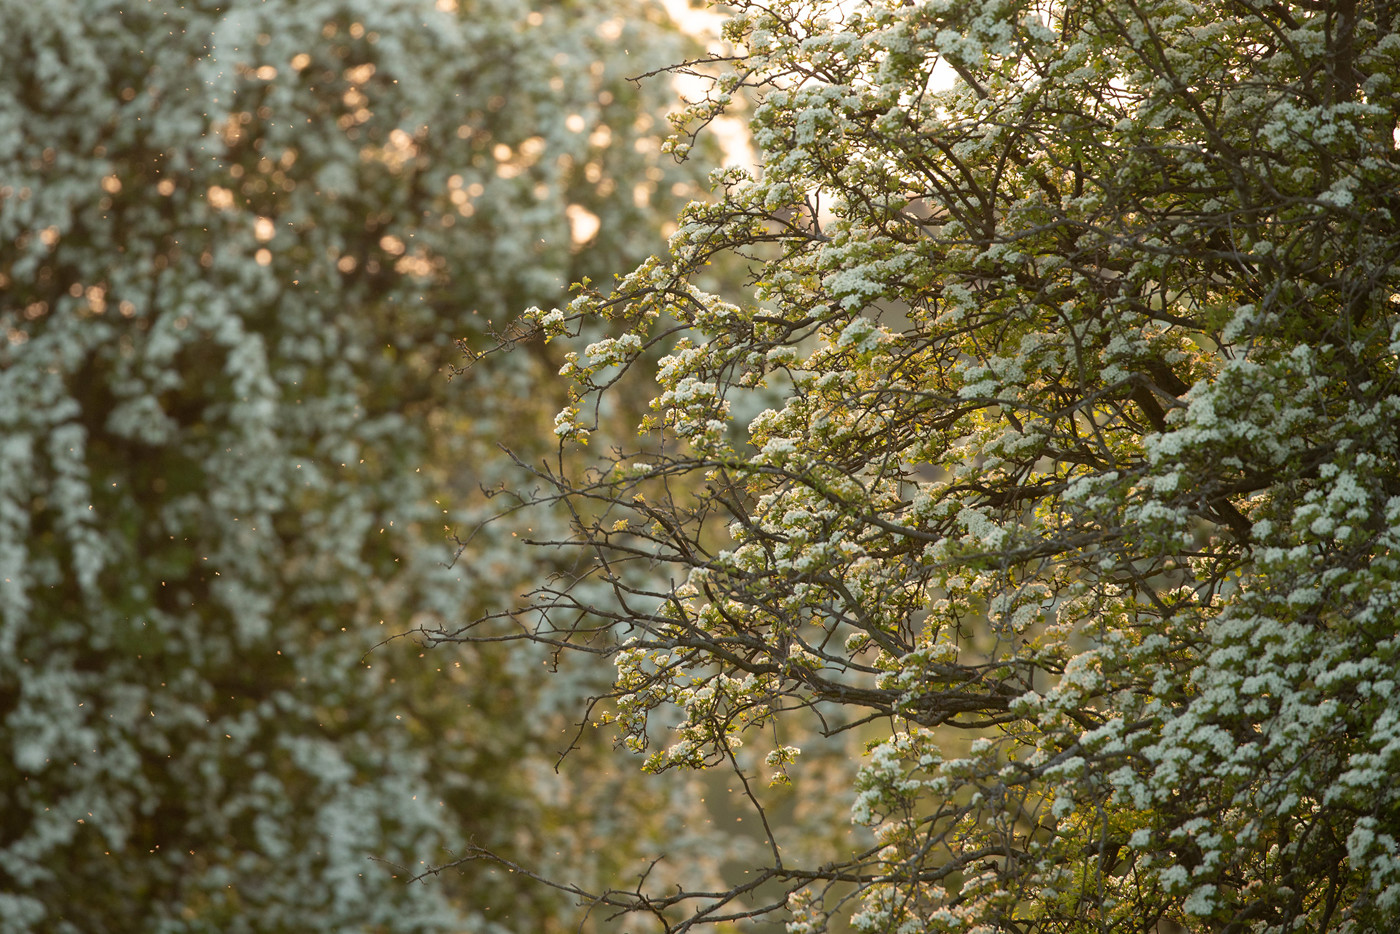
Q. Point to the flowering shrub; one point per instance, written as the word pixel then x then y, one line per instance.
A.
pixel 238 241
pixel 1075 484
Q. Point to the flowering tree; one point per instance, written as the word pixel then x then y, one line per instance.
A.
pixel 1053 453
pixel 238 239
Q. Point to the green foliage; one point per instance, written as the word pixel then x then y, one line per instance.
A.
pixel 239 242
pixel 1083 320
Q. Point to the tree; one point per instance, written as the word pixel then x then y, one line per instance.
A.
pixel 1052 452
pixel 240 239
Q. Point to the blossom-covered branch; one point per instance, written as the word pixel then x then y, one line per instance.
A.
pixel 1060 414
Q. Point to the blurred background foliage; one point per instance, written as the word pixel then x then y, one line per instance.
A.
pixel 240 241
